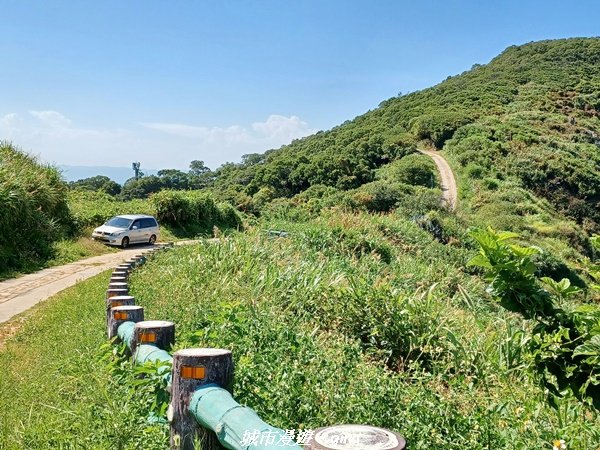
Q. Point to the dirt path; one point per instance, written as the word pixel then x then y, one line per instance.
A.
pixel 449 191
pixel 19 294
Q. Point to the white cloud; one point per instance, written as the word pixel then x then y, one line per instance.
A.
pixel 232 134
pixel 276 130
pixel 51 119
pixel 58 139
pixel 282 128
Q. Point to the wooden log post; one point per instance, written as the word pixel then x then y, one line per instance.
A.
pixel 134 261
pixel 118 285
pixel 113 292
pixel 159 333
pixel 120 273
pixel 125 266
pixel 350 437
pixel 192 368
pixel 122 314
pixel 113 302
pixel 117 279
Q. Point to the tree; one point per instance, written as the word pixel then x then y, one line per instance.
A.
pixel 174 179
pixel 252 158
pixel 200 176
pixel 136 169
pixel 97 183
pixel 141 187
pixel 198 168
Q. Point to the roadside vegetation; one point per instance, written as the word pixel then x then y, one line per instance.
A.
pixel 58 386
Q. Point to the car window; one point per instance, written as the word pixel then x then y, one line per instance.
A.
pixel 136 224
pixel 118 222
pixel 149 222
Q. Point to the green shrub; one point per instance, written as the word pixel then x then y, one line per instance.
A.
pixel 381 196
pixel 415 169
pixel 33 209
pixel 474 171
pixel 565 344
pixel 193 209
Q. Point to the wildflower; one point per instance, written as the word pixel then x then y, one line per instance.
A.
pixel 558 444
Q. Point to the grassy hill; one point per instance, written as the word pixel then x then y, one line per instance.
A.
pixel 527 120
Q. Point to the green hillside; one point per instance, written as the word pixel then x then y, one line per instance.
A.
pixel 527 120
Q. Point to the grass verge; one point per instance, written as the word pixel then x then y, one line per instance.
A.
pixel 57 388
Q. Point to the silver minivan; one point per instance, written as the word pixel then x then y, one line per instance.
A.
pixel 128 229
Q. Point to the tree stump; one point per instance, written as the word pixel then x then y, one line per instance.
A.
pixel 351 437
pixel 122 314
pixel 120 273
pixel 113 292
pixel 193 368
pixel 117 279
pixel 118 285
pixel 159 333
pixel 113 302
pixel 125 266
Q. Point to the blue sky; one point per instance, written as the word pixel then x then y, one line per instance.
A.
pixel 103 83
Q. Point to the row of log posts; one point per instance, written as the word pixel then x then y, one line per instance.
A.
pixel 202 413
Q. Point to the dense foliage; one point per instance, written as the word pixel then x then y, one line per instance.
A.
pixel 565 342
pixel 197 209
pixel 33 209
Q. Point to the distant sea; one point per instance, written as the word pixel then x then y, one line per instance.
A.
pixel 118 174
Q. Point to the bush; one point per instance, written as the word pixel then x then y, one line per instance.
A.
pixel 381 196
pixel 415 169
pixel 33 209
pixel 194 209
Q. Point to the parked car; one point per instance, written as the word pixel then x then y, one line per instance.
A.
pixel 128 229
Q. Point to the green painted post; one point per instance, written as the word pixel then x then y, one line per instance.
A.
pixel 234 425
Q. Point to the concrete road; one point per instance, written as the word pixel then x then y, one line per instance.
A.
pixel 20 294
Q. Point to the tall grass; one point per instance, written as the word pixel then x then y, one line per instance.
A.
pixel 57 390
pixel 324 331
pixel 33 209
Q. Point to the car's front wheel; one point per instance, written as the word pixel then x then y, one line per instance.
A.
pixel 152 240
pixel 125 242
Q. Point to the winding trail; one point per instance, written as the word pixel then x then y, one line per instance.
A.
pixel 448 182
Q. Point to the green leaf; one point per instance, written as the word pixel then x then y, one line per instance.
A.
pixel 589 348
pixel 480 261
pixel 505 235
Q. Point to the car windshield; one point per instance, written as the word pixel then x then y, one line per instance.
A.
pixel 119 222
